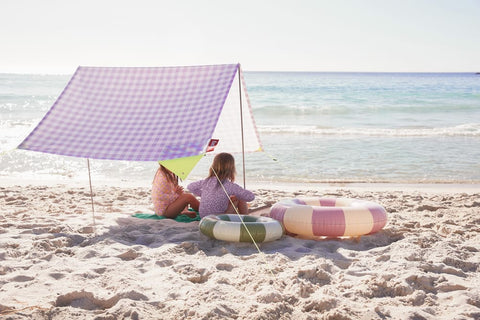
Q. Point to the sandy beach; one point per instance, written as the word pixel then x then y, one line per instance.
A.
pixel 376 101
pixel 55 264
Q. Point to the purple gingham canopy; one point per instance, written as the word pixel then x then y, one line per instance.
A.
pixel 139 114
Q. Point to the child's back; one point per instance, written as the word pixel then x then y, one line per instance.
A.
pixel 213 197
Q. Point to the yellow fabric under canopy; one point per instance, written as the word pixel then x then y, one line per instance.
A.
pixel 181 166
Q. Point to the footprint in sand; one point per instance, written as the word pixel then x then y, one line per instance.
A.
pixel 57 275
pixel 225 266
pixel 129 255
pixel 315 274
pixel 87 301
pixel 22 278
pixel 193 274
pixel 164 263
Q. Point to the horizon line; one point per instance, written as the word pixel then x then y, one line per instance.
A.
pixel 269 71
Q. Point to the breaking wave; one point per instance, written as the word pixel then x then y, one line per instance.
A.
pixel 464 130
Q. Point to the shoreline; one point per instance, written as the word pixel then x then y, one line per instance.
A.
pixel 469 188
pixel 427 187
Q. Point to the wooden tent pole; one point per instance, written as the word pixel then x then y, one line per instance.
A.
pixel 91 194
pixel 241 122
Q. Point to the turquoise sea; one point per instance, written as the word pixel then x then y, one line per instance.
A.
pixel 314 127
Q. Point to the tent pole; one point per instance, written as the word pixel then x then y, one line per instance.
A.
pixel 241 122
pixel 91 194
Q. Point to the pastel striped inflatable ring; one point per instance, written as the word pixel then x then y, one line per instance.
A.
pixel 229 227
pixel 329 217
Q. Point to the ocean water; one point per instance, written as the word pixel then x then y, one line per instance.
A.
pixel 314 127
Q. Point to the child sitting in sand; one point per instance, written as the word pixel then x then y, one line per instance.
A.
pixel 169 199
pixel 213 197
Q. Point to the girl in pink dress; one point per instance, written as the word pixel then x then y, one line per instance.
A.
pixel 213 197
pixel 169 199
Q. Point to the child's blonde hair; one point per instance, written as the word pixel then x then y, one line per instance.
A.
pixel 224 165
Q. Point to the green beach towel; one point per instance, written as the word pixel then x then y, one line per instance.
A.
pixel 179 218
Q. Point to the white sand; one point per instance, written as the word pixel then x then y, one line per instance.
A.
pixel 425 264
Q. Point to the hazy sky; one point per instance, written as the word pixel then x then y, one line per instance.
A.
pixel 55 36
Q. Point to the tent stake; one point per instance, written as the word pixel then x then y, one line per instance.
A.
pixel 91 195
pixel 241 122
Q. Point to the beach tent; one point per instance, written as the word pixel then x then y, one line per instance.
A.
pixel 149 114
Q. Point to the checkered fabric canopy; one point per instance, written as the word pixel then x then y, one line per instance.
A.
pixel 139 114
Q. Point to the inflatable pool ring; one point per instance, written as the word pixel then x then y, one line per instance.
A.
pixel 229 227
pixel 329 217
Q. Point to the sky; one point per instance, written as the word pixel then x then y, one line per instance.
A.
pixel 56 36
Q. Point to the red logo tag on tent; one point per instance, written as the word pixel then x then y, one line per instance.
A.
pixel 211 145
